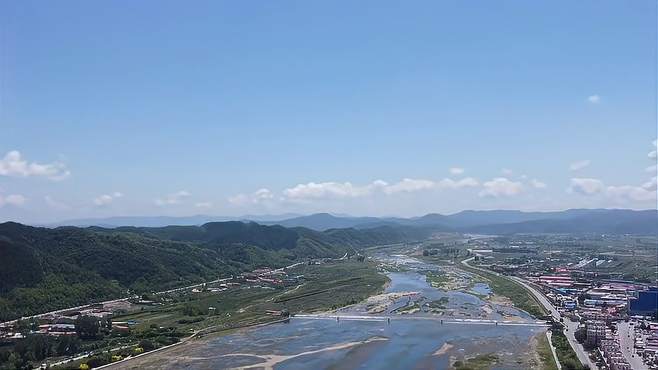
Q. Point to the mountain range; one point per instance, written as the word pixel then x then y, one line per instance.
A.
pixel 490 221
pixel 45 269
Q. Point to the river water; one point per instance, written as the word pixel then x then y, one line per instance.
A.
pixel 417 340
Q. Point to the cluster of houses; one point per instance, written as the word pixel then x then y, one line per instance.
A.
pixel 54 324
pixel 601 306
pixel 268 277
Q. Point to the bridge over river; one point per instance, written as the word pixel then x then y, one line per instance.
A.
pixel 450 321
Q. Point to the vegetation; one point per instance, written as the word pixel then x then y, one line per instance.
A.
pixel 35 348
pixel 504 286
pixel 437 280
pixel 179 315
pixel 47 269
pixel 545 353
pixel 565 354
pixel 479 362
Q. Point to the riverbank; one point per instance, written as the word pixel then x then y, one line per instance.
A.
pixel 208 314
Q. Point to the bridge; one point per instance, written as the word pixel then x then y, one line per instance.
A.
pixel 450 321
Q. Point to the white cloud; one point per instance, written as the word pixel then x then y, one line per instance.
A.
pixel 456 171
pixel 651 185
pixel 14 165
pixel 12 200
pixel 330 189
pixel 257 197
pixel 537 184
pixel 106 199
pixel 654 153
pixel 579 165
pixel 347 190
pixel 628 192
pixel 466 182
pixel 173 198
pixel 203 205
pixel 586 186
pixel 594 99
pixel 500 186
pixel 652 169
pixel 409 185
pixel 506 172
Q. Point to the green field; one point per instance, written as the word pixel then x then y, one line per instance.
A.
pixel 325 287
pixel 504 286
pixel 479 362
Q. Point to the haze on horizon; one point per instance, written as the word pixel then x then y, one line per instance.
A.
pixel 111 109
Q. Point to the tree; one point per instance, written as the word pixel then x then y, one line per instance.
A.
pixel 87 327
pixel 146 345
pixel 67 345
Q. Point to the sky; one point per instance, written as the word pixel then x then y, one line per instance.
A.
pixel 366 108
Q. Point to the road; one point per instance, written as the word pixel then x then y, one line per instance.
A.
pixel 132 297
pixel 626 335
pixel 570 326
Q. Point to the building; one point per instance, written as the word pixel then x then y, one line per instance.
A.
pixel 646 304
pixel 595 332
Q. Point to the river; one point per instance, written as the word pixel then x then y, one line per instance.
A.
pixel 413 340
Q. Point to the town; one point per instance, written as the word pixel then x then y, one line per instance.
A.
pixel 601 289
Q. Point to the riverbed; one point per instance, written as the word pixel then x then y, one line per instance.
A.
pixel 421 328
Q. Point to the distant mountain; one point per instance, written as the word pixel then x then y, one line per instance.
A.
pixel 325 221
pixel 44 269
pixel 500 221
pixel 160 221
pixel 580 221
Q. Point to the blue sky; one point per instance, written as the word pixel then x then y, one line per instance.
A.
pixel 231 108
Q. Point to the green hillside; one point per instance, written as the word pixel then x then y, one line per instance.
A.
pixel 46 269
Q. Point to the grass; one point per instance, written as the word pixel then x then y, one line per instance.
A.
pixel 327 286
pixel 565 354
pixel 437 280
pixel 545 353
pixel 504 286
pixel 479 362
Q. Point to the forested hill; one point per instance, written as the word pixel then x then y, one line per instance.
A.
pixel 44 269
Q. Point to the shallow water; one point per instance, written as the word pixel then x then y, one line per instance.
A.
pixel 407 342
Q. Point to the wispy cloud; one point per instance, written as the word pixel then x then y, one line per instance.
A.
pixel 537 184
pixel 579 165
pixel 14 165
pixel 55 204
pixel 501 187
pixel 456 171
pixel 594 99
pixel 259 196
pixel 586 186
pixel 106 199
pixel 173 198
pixel 12 200
pixel 203 205
pixel 653 155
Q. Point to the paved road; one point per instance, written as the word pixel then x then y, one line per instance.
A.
pixel 570 326
pixel 626 335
